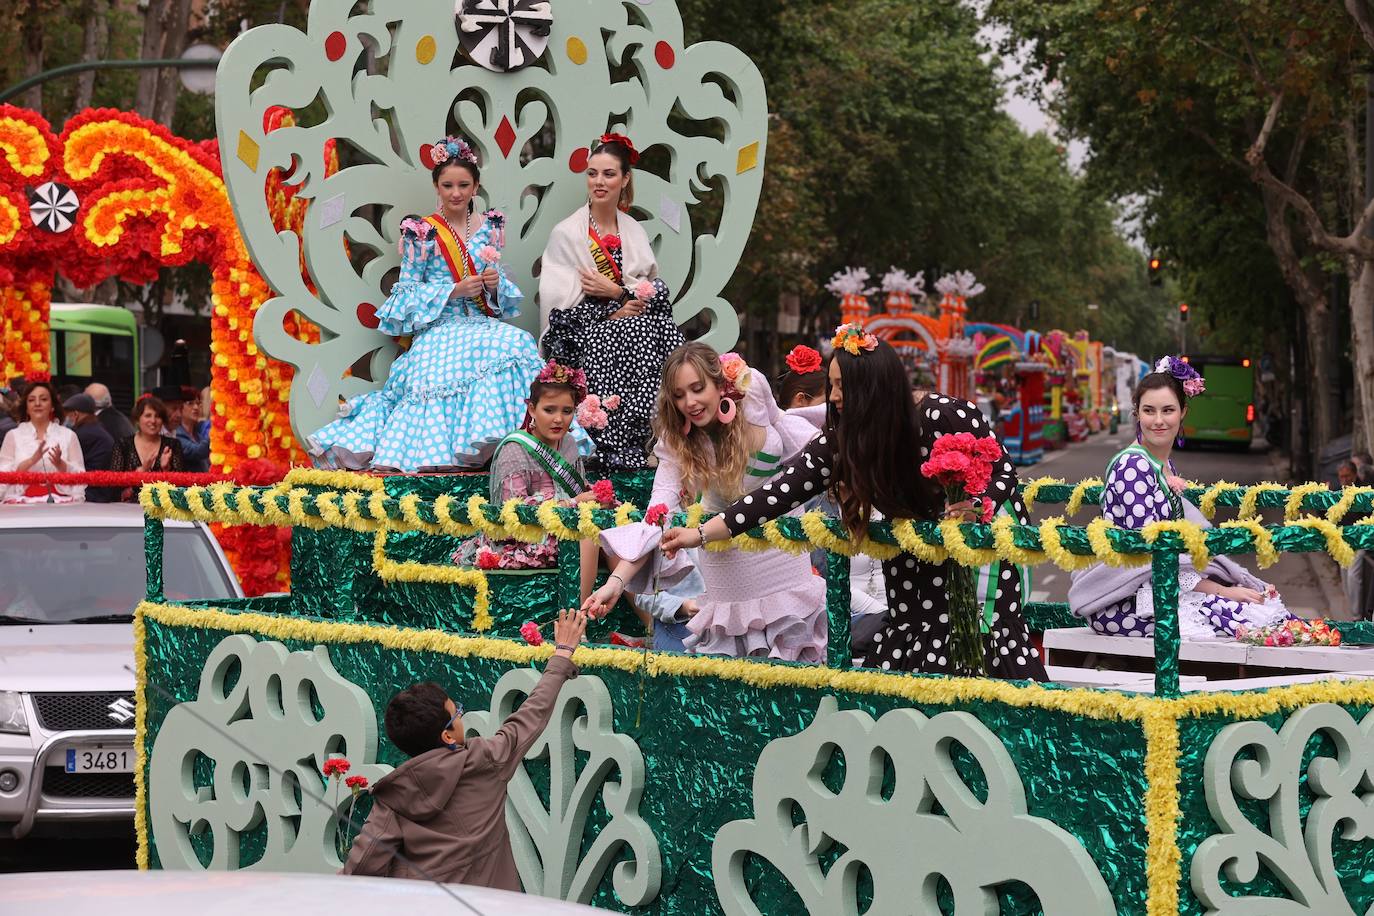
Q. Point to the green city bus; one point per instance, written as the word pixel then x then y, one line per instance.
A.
pixel 96 343
pixel 1226 412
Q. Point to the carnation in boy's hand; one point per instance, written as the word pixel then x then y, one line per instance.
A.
pixel 530 631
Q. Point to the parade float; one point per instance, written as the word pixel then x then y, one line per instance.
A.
pixel 933 347
pixel 118 196
pixel 674 783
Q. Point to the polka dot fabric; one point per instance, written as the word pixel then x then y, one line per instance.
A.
pixel 621 356
pixel 1133 496
pixel 457 391
pixel 915 634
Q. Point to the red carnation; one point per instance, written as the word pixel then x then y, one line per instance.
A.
pixel 611 242
pixel 604 491
pixel 802 359
pixel 486 559
pixel 656 514
pixel 530 631
pixel 356 782
pixel 336 766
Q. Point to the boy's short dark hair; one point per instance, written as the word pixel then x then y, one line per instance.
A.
pixel 416 716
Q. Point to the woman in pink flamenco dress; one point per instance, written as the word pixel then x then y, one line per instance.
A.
pixel 720 435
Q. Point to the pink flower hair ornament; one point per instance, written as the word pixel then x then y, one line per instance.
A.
pixel 558 374
pixel 853 338
pixel 452 148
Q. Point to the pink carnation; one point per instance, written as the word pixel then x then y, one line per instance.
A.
pixel 488 254
pixel 590 414
pixel 656 514
pixel 611 402
pixel 989 510
pixel 644 291
pixel 530 631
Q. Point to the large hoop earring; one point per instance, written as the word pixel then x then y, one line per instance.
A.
pixel 727 412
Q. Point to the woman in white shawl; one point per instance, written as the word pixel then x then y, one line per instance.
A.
pixel 604 308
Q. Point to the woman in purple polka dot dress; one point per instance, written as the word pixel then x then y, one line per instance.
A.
pixel 1141 487
pixel 874 439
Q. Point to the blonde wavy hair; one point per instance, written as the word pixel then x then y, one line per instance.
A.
pixel 710 458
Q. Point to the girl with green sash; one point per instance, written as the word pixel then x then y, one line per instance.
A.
pixel 536 463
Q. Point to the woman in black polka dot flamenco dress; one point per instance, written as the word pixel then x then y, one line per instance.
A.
pixel 867 457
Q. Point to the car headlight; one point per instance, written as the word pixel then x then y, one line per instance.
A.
pixel 12 718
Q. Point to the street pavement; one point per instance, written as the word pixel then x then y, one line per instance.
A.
pixel 1309 582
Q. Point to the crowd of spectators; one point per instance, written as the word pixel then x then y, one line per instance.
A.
pixel 63 429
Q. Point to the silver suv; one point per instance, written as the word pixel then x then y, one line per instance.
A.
pixel 70 576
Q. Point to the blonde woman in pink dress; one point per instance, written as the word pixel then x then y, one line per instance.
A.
pixel 720 435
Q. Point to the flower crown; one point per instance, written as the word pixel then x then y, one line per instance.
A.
pixel 452 148
pixel 559 374
pixel 616 138
pixel 852 338
pixel 1193 384
pixel 803 360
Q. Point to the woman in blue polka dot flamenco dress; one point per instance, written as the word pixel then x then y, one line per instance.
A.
pixel 461 386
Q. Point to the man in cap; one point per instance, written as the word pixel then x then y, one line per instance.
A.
pixel 96 444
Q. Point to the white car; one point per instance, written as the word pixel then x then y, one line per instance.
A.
pixel 70 576
pixel 174 893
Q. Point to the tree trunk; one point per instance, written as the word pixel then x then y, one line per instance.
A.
pixel 1362 332
pixel 95 34
pixel 154 22
pixel 173 43
pixel 31 14
pixel 1316 316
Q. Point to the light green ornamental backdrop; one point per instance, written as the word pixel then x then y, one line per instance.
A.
pixel 390 78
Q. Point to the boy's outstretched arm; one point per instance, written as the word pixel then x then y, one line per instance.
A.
pixel 508 746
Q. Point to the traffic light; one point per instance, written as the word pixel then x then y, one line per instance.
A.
pixel 1183 311
pixel 1156 271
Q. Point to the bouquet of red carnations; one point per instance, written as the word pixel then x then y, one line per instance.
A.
pixel 1293 632
pixel 962 463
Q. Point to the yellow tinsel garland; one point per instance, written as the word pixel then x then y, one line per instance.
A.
pixel 1266 555
pixel 1080 490
pixel 1292 507
pixel 1208 504
pixel 1343 505
pixel 1193 536
pixel 958 548
pixel 530 534
pixel 1032 491
pixel 1055 550
pixel 1102 546
pixel 389 570
pixel 1249 503
pixel 1336 546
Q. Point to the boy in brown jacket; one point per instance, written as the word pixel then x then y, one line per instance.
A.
pixel 444 809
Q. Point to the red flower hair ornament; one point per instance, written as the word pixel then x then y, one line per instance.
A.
pixel 616 138
pixel 803 360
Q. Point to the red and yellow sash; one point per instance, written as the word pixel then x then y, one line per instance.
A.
pixel 459 262
pixel 601 255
